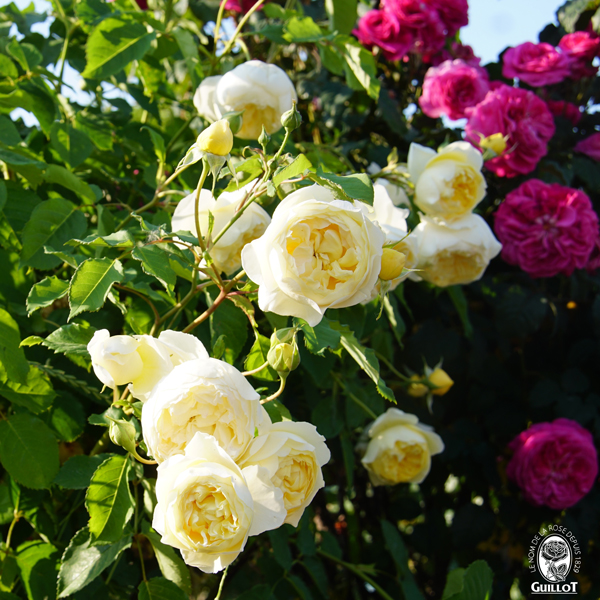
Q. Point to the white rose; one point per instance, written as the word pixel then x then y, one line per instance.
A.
pixel 448 183
pixel 317 253
pixel 454 253
pixel 263 91
pixel 205 395
pixel 396 193
pixel 293 454
pixel 140 360
pixel 207 507
pixel 400 449
pixel 226 253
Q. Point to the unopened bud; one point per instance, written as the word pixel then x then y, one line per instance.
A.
pixel 291 119
pixel 216 139
pixel 235 120
pixel 441 380
pixel 495 142
pixel 122 433
pixel 264 138
pixel 283 355
pixel 417 390
pixel 392 263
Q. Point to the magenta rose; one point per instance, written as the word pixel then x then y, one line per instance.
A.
pixel 546 228
pixel 535 64
pixel 567 110
pixel 242 6
pixel 580 48
pixel 451 88
pixel 590 146
pixel 423 22
pixel 518 114
pixel 453 13
pixel 381 28
pixel 555 464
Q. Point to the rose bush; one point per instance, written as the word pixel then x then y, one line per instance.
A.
pixel 253 320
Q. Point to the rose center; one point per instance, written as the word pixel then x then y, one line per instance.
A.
pixel 460 192
pixel 254 118
pixel 401 463
pixel 296 477
pixel 449 268
pixel 322 253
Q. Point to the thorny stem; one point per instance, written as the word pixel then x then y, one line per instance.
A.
pixel 240 26
pixel 222 583
pixel 209 311
pixel 218 22
pixel 205 170
pixel 353 397
pixel 257 370
pixel 391 367
pixel 277 393
pixel 147 300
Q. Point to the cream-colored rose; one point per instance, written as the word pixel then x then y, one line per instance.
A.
pixel 400 449
pixel 317 253
pixel 227 252
pixel 207 507
pixel 205 395
pixel 293 454
pixel 140 360
pixel 448 183
pixel 457 252
pixel 262 91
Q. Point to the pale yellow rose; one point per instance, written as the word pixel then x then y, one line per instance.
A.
pixel 293 454
pixel 207 506
pixel 317 253
pixel 262 91
pixel 140 360
pixel 456 252
pixel 227 252
pixel 400 449
pixel 448 183
pixel 205 395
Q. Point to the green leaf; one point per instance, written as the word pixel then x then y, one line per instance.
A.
pixel 91 12
pixel 320 337
pixel 569 13
pixel 257 357
pixel 3 195
pixel 91 283
pixel 46 292
pixel 28 450
pixel 64 177
pixel 171 565
pixel 37 564
pixel 119 239
pixel 66 417
pixel 70 339
pixel 36 394
pixel 159 588
pixel 15 50
pixel 297 167
pixel 8 132
pixel 361 64
pixel 477 581
pixel 113 44
pixel 357 186
pixel 15 159
pixel 7 67
pixel 96 127
pixel 342 14
pixel 460 304
pixel 365 358
pixel 73 146
pixel 12 356
pixel 302 29
pixel 277 411
pixel 52 223
pixel 158 142
pixel 231 322
pixel 189 48
pixel 77 472
pixel 398 551
pixel 281 547
pixel 81 562
pixel 154 262
pixel 392 312
pixel 109 501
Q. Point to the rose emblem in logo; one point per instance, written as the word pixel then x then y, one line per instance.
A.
pixel 554 558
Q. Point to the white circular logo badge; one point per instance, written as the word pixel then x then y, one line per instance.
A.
pixel 554 558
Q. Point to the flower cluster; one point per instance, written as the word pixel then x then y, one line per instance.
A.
pixel 225 470
pixel 420 27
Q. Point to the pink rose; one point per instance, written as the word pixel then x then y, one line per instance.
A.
pixel 546 228
pixel 555 464
pixel 423 21
pixel 382 28
pixel 590 146
pixel 594 260
pixel 535 64
pixel 518 114
pixel 242 6
pixel 568 110
pixel 580 48
pixel 453 13
pixel 451 88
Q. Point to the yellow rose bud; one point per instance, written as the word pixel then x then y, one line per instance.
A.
pixel 392 263
pixel 495 142
pixel 417 390
pixel 442 380
pixel 216 139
